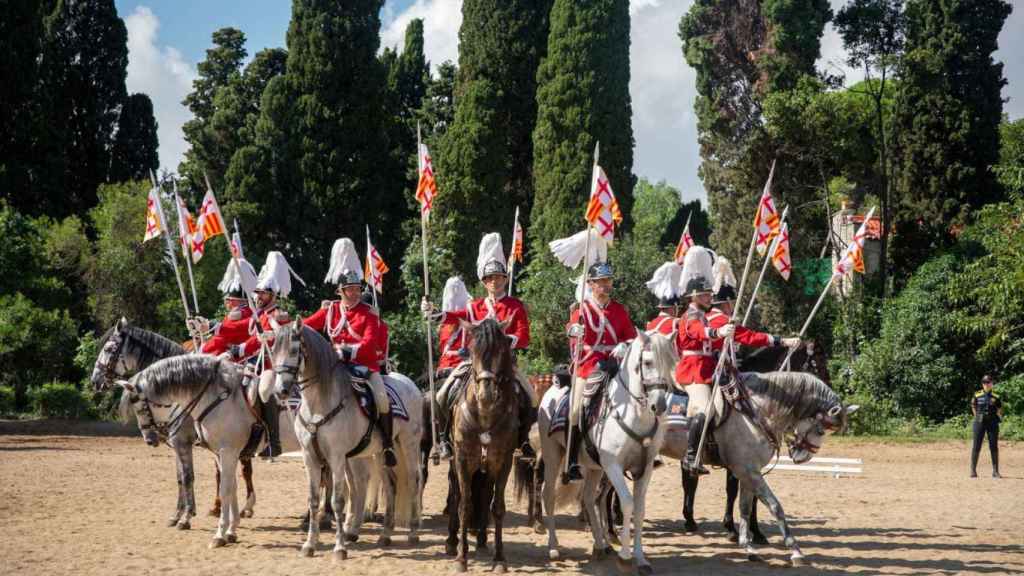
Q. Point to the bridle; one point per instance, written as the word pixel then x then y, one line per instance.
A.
pixel 117 340
pixel 802 442
pixel 291 368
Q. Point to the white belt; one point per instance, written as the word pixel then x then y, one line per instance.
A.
pixel 598 348
pixel 696 353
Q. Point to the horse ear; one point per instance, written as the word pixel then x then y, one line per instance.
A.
pixel 852 408
pixel 122 323
pixel 298 321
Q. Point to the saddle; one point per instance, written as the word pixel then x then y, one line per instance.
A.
pixel 360 376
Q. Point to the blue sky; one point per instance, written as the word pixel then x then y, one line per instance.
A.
pixel 168 38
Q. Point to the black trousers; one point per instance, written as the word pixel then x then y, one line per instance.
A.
pixel 989 426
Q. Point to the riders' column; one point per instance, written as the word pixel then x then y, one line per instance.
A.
pixel 354 329
pixel 234 327
pixel 606 330
pixel 988 410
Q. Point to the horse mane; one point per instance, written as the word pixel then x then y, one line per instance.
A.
pixel 489 341
pixel 185 374
pixel 798 394
pixel 320 355
pixel 664 354
pixel 148 346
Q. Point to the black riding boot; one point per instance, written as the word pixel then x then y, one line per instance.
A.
pixel 387 432
pixel 527 416
pixel 269 412
pixel 574 473
pixel 696 428
pixel 444 437
pixel 995 463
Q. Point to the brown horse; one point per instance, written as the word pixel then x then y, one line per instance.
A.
pixel 484 432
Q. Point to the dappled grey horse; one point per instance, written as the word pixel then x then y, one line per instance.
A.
pixel 795 408
pixel 209 390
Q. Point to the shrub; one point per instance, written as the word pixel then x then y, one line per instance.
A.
pixel 1011 392
pixel 61 400
pixel 6 400
pixel 36 345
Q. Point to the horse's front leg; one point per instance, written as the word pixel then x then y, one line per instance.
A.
pixel 768 497
pixel 618 479
pixel 746 498
pixel 689 495
pixel 590 493
pixel 451 545
pixel 552 455
pixel 639 510
pixel 250 490
pixel 498 512
pixel 227 462
pixel 314 475
pixel 179 470
pixel 337 493
pixel 215 511
pixel 189 478
pixel 389 482
pixel 353 498
pixel 465 511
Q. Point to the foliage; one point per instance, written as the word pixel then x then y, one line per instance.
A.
pixel 947 116
pixel 21 44
pixel 61 400
pixel 7 405
pixel 35 344
pixel 134 155
pixel 1010 169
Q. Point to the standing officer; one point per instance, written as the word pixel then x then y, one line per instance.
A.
pixel 987 409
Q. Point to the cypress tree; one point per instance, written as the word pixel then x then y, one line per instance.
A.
pixel 948 109
pixel 20 33
pixel 134 155
pixel 487 153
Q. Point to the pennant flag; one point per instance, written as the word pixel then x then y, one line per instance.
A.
pixel 853 256
pixel 780 257
pixel 766 220
pixel 235 245
pixel 426 189
pixel 375 268
pixel 154 219
pixel 517 241
pixel 209 224
pixel 685 243
pixel 186 224
pixel 603 209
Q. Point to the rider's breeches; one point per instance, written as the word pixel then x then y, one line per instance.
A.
pixel 266 389
pixel 456 374
pixel 380 394
pixel 581 389
pixel 699 394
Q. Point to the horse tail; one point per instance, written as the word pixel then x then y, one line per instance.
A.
pixel 407 483
pixel 522 478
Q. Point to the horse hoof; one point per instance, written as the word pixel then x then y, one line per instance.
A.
pixel 232 538
pixel 597 554
pixel 645 570
pixel 759 539
pixel 460 567
pixel 172 522
pixel 623 565
pixel 797 561
pixel 734 537
pixel 325 525
pixel 217 543
pixel 553 554
pixel 384 541
pixel 538 529
pixel 613 538
pixel 245 513
pixel 351 538
pixel 691 527
pixel 450 549
pixel 340 555
pixel 184 525
pixel 609 550
pixel 214 512
pixel 500 568
pixel 754 558
pixel 307 551
pixel 413 539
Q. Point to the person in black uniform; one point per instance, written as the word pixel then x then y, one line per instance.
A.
pixel 987 409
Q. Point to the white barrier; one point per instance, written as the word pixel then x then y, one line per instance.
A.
pixel 834 466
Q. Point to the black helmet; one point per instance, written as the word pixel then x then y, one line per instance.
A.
pixel 725 294
pixel 668 302
pixel 349 278
pixel 494 267
pixel 697 285
pixel 599 270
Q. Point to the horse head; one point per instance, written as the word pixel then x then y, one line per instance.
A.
pixel 288 357
pixel 493 374
pixel 109 362
pixel 810 432
pixel 648 370
pixel 143 413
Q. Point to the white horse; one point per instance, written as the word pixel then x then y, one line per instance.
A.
pixel 209 391
pixel 627 437
pixel 330 427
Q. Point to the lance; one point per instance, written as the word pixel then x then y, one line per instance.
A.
pixel 169 249
pixel 764 267
pixel 512 259
pixel 727 347
pixel 577 353
pixel 428 331
pixel 186 239
pixel 817 305
pixel 373 289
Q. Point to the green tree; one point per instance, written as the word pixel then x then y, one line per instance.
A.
pixel 947 118
pixel 1010 168
pixel 20 34
pixel 134 156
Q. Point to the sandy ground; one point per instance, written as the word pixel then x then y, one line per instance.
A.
pixel 98 505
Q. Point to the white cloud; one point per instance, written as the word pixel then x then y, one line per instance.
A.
pixel 441 22
pixel 163 74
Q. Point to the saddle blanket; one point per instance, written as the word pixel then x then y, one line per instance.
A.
pixel 560 419
pixel 677 405
pixel 363 394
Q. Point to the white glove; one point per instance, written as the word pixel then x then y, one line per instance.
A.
pixel 426 308
pixel 575 330
pixel 325 304
pixel 727 330
pixel 791 342
pixel 619 352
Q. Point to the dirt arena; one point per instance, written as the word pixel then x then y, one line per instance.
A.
pixel 97 505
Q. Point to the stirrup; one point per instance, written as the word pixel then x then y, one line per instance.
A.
pixel 573 474
pixel 389 457
pixel 690 465
pixel 526 452
pixel 444 450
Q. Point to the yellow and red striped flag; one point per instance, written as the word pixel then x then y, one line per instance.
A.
pixel 154 216
pixel 685 243
pixel 375 268
pixel 603 209
pixel 209 224
pixel 186 224
pixel 780 257
pixel 517 241
pixel 426 188
pixel 853 256
pixel 766 220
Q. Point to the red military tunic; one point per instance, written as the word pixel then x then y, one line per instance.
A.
pixel 665 324
pixel 452 338
pixel 698 343
pixel 358 327
pixel 229 331
pixel 384 345
pixel 743 335
pixel 505 309
pixel 268 318
pixel 603 328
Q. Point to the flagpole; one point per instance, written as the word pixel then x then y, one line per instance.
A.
pixel 727 347
pixel 426 320
pixel 512 260
pixel 186 252
pixel 170 254
pixel 764 267
pixel 817 305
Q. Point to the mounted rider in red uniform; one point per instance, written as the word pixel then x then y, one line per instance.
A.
pixel 606 330
pixel 354 329
pixel 239 279
pixel 497 305
pixel 665 286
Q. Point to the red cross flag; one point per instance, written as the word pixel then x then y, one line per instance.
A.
pixel 780 257
pixel 517 241
pixel 603 209
pixel 766 220
pixel 375 268
pixel 853 256
pixel 186 224
pixel 154 220
pixel 685 242
pixel 426 189
pixel 209 224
